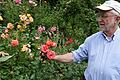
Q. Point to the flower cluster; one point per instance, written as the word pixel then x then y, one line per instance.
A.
pixel 13 37
pixel 25 20
pixel 31 2
pixel 20 38
pixel 45 49
pixel 5 34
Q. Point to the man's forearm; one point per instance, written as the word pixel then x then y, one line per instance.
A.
pixel 64 58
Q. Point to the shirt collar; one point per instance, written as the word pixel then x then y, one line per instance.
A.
pixel 117 32
pixel 114 35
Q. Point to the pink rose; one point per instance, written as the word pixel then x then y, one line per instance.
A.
pixel 44 48
pixel 18 1
pixel 53 29
pixel 41 29
pixel 10 26
pixel 14 43
pixel 51 54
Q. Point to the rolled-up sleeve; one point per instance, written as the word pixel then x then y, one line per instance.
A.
pixel 81 53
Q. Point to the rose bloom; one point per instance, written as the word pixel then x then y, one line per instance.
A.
pixel 24 48
pixel 53 29
pixel 51 43
pixel 50 54
pixel 41 29
pixel 10 26
pixel 3 36
pixel 28 15
pixel 54 44
pixel 19 26
pixel 6 36
pixel 32 2
pixel 27 21
pixel 31 19
pixel 14 43
pixel 18 1
pixel 6 30
pixel 44 48
pixel 70 40
pixel 23 17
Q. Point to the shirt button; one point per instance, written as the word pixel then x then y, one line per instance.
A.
pixel 101 72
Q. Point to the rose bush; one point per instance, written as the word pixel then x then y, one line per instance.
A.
pixel 26 26
pixel 20 43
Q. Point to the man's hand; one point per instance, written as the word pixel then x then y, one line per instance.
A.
pixel 50 54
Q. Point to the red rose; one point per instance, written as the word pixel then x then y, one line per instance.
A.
pixel 14 43
pixel 54 44
pixel 70 40
pixel 44 48
pixel 49 43
pixel 51 54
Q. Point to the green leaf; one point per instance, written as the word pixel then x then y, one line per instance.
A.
pixel 2 48
pixel 5 58
pixel 32 76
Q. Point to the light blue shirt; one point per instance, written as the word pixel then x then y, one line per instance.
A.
pixel 103 56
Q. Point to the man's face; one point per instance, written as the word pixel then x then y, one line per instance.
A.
pixel 106 20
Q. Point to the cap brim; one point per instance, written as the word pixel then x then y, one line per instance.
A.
pixel 104 8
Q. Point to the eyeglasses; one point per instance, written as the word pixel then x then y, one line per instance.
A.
pixel 104 16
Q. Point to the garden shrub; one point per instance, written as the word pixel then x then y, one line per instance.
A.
pixel 22 38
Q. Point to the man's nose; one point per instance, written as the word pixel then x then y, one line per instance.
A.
pixel 99 19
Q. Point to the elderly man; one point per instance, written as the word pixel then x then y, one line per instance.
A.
pixel 102 49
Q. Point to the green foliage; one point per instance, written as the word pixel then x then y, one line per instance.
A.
pixel 73 18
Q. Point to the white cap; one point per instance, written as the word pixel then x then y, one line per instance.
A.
pixel 109 5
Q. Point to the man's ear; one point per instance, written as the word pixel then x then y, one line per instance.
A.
pixel 118 17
